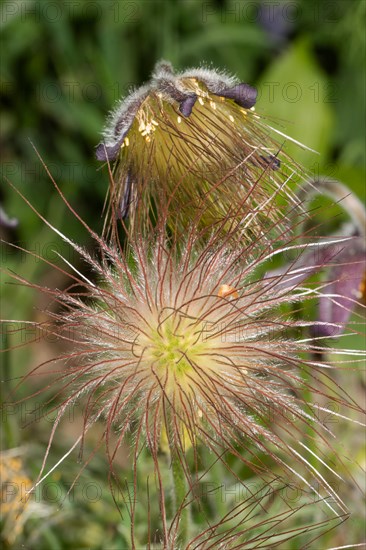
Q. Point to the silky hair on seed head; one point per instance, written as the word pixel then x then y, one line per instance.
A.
pixel 184 344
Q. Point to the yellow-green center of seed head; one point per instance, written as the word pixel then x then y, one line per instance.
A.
pixel 174 352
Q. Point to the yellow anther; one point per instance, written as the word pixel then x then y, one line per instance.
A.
pixel 226 291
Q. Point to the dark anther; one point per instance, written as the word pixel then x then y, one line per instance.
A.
pixel 187 104
pixel 243 94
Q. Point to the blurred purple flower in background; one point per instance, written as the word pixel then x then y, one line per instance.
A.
pixel 342 258
pixel 277 20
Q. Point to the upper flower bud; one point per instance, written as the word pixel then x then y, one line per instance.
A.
pixel 189 139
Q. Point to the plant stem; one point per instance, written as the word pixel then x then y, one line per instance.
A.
pixel 9 422
pixel 181 508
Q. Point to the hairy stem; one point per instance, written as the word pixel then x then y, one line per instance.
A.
pixel 181 508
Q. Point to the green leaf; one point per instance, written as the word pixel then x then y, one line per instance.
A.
pixel 216 36
pixel 296 93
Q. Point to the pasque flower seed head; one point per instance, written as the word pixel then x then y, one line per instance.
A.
pixel 182 343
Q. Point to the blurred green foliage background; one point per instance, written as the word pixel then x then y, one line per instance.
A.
pixel 63 66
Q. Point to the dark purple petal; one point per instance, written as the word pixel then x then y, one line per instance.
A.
pixel 243 94
pixel 187 104
pixel 185 100
pixel 272 161
pixel 276 21
pixel 122 125
pixel 345 263
pixel 110 152
pixel 126 198
pixel 306 264
pixel 345 283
